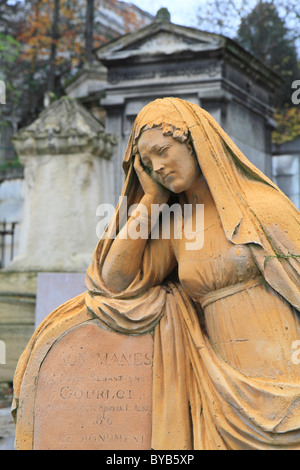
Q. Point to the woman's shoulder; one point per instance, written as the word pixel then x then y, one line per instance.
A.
pixel 270 203
pixel 278 217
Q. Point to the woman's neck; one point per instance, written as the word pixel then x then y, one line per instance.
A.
pixel 199 192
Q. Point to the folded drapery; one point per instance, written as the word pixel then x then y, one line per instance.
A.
pixel 199 400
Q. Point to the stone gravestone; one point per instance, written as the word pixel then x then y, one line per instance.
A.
pixel 94 392
pixel 84 387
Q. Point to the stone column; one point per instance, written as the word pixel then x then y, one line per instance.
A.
pixel 68 173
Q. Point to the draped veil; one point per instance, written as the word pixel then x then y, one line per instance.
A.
pixel 199 401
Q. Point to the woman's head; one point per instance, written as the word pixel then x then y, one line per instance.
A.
pixel 222 163
pixel 167 154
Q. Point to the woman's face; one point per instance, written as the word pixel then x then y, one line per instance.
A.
pixel 169 162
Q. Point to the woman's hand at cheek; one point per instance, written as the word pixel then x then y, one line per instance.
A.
pixel 157 192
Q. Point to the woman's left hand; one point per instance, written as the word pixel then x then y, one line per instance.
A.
pixel 158 193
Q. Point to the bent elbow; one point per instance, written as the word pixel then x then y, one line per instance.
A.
pixel 116 282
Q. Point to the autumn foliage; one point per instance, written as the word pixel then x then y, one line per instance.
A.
pixel 36 33
pixel 28 56
pixel 48 45
pixel 288 125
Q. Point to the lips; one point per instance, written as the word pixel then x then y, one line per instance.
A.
pixel 167 176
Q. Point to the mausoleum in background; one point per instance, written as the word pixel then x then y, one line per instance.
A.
pixel 165 59
pixel 286 169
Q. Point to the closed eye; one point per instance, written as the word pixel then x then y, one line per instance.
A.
pixel 163 150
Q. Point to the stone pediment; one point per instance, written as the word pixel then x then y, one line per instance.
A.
pixel 164 41
pixel 159 39
pixel 65 127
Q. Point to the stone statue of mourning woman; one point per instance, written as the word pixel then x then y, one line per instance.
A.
pixel 224 315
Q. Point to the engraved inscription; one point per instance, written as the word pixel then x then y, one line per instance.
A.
pixel 95 391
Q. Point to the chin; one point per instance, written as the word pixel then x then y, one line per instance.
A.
pixel 177 188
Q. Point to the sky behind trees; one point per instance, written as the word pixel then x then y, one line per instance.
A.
pixel 181 13
pixel 218 16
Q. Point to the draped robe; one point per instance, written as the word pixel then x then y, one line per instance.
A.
pixel 199 400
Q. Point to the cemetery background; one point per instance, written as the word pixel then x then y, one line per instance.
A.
pixel 61 152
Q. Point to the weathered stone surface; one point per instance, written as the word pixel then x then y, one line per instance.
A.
pixel 90 79
pixel 94 392
pixel 17 312
pixel 18 282
pixel 63 128
pixel 68 174
pixel 7 425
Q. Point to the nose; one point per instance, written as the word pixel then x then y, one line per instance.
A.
pixel 158 166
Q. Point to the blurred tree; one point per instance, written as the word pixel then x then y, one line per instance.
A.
pixel 270 30
pixel 10 21
pixel 289 10
pixel 10 16
pixel 53 48
pixel 49 45
pixel 89 31
pixel 223 16
pixel 288 125
pixel 9 54
pixel 264 34
pixel 44 42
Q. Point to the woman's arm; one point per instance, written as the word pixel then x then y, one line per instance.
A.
pixel 124 258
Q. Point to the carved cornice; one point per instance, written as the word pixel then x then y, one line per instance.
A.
pixel 64 128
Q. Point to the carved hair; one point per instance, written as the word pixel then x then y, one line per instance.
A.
pixel 179 134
